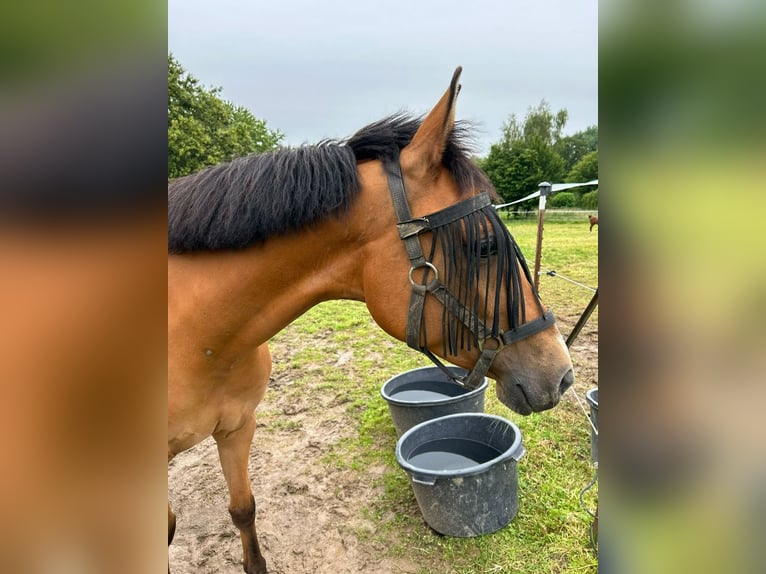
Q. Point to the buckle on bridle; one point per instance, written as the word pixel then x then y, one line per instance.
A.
pixel 413 227
pixel 497 341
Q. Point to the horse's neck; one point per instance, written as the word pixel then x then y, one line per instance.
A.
pixel 246 297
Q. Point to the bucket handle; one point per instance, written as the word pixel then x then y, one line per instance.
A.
pixel 519 453
pixel 426 480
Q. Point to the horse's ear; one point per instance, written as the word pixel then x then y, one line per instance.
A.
pixel 423 155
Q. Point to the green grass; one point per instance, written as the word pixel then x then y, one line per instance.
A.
pixel 550 533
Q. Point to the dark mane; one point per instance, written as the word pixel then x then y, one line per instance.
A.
pixel 245 201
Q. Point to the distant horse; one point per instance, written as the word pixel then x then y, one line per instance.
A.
pixel 397 216
pixel 593 221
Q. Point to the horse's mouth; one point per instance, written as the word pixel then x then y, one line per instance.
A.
pixel 527 406
pixel 514 397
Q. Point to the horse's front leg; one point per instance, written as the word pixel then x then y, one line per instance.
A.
pixel 234 451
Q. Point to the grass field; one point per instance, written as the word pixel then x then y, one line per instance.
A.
pixel 551 531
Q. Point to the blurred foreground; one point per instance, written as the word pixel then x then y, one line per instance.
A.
pixel 682 459
pixel 83 292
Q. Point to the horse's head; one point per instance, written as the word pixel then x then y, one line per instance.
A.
pixel 443 273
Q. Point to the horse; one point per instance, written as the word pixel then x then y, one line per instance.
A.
pixel 397 216
pixel 593 221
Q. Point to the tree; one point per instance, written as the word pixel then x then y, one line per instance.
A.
pixel 573 148
pixel 590 200
pixel 586 169
pixel 563 199
pixel 204 129
pixel 527 154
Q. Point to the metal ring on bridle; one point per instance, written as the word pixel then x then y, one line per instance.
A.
pixel 425 264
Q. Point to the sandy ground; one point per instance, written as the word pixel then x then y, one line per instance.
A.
pixel 308 517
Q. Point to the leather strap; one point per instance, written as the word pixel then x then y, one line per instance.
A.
pixel 530 328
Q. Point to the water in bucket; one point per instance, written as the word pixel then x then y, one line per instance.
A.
pixel 427 393
pixel 452 454
pixel 426 390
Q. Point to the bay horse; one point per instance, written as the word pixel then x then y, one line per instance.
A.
pixel 397 216
pixel 593 221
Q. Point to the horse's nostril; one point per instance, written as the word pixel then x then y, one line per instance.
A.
pixel 566 382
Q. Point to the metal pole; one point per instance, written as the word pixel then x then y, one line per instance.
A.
pixel 583 318
pixel 545 189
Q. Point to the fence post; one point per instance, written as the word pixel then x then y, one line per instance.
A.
pixel 583 319
pixel 545 190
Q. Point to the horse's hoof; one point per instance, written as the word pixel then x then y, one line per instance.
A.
pixel 259 567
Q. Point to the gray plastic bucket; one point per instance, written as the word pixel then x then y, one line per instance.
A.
pixel 592 397
pixel 426 393
pixel 464 492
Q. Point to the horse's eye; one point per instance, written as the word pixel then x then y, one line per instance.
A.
pixel 488 247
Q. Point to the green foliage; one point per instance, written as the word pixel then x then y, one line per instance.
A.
pixel 586 169
pixel 590 200
pixel 204 129
pixel 533 150
pixel 575 147
pixel 526 155
pixel 562 199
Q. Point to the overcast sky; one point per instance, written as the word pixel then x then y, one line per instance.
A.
pixel 324 68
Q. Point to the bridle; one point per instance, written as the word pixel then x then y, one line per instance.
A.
pixel 488 340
